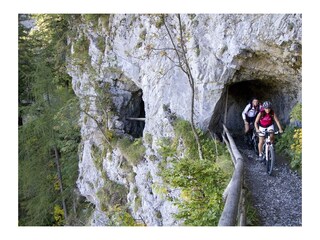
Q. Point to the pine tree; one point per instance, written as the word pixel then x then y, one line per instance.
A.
pixel 49 135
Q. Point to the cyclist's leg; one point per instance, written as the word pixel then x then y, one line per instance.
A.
pixel 246 128
pixel 261 138
pixel 246 125
pixel 261 141
pixel 271 131
pixel 250 131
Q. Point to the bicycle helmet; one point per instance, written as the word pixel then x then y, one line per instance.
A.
pixel 267 104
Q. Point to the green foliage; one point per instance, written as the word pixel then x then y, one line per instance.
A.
pixel 112 194
pixel 82 211
pixel 148 138
pixel 81 55
pixel 183 131
pixel 290 145
pixel 50 112
pixel 137 204
pixel 133 151
pixel 58 215
pixel 94 20
pixel 197 50
pixel 202 184
pixel 104 18
pixel 290 142
pixel 97 156
pixel 160 189
pixel 296 147
pixel 143 35
pixel 139 45
pixel 201 181
pixel 36 190
pixel 296 113
pixel 159 21
pixel 252 218
pixel 101 43
pixel 120 216
pixel 105 106
pixel 113 199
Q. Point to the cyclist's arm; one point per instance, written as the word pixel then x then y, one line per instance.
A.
pixel 256 122
pixel 277 122
pixel 244 112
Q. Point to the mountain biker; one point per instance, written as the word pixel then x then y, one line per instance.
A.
pixel 249 115
pixel 265 121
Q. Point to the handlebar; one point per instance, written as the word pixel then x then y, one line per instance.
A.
pixel 275 133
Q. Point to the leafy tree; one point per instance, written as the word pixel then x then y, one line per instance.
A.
pixel 49 135
pixel 201 181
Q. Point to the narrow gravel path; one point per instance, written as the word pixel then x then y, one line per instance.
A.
pixel 276 198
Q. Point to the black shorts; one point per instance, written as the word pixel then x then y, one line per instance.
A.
pixel 250 119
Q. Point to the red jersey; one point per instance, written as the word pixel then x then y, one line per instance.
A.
pixel 266 119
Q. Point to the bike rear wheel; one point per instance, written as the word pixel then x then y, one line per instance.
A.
pixel 271 161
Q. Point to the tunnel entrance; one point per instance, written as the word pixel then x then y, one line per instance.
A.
pixel 282 94
pixel 135 114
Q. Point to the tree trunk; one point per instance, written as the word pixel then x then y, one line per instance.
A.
pixel 57 161
pixel 192 86
pixel 196 136
pixel 183 63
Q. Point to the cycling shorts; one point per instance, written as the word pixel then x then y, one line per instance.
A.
pixel 263 129
pixel 250 119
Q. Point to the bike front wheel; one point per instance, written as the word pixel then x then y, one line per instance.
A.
pixel 271 160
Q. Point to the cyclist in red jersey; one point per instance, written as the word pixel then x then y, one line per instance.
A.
pixel 265 121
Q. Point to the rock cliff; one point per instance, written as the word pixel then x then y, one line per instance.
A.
pixel 128 69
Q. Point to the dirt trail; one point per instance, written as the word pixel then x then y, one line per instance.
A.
pixel 277 198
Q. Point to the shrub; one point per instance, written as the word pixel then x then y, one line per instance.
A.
pixel 137 203
pixel 148 138
pixel 290 142
pixel 201 181
pixel 133 151
pixel 202 184
pixel 58 215
pixel 81 55
pixel 296 147
pixel 143 34
pixel 296 113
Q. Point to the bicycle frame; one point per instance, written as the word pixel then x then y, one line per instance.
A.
pixel 267 143
pixel 268 146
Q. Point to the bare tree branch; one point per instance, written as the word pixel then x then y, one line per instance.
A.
pixel 185 67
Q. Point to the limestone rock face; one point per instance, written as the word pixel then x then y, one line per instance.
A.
pixel 231 57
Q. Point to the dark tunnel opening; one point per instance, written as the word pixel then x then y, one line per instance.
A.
pixel 135 110
pixel 283 96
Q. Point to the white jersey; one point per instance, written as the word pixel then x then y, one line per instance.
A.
pixel 249 112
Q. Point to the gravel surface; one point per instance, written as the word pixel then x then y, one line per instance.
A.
pixel 277 199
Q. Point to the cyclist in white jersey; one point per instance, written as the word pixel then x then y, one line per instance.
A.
pixel 249 114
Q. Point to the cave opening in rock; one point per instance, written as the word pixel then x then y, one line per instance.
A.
pixel 283 95
pixel 135 115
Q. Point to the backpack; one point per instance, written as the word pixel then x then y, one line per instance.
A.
pixel 258 108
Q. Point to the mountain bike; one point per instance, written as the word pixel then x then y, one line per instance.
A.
pixel 269 152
